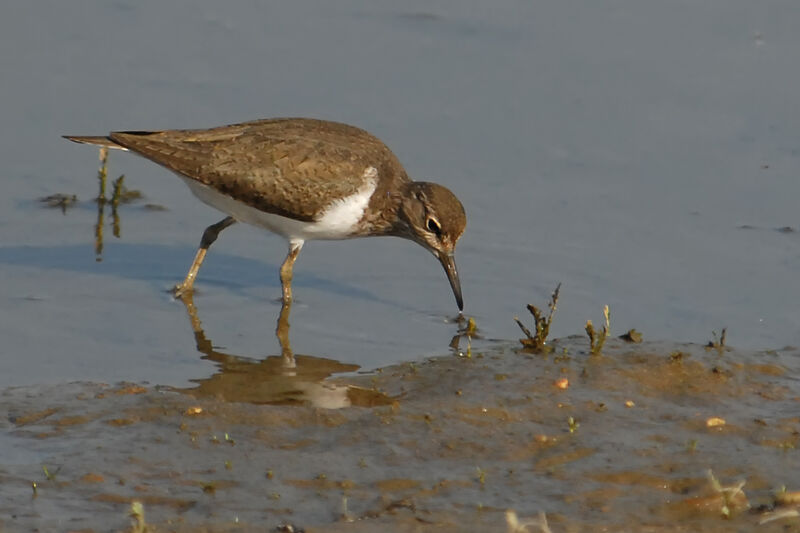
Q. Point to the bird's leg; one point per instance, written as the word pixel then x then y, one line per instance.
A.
pixel 209 236
pixel 282 332
pixel 286 270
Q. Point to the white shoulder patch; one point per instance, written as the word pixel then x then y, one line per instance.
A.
pixel 337 221
pixel 342 215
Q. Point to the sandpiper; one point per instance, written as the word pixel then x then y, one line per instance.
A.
pixel 303 179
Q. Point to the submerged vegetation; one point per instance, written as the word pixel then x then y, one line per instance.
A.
pixel 598 338
pixel 59 200
pixel 717 343
pixel 537 341
pixel 120 195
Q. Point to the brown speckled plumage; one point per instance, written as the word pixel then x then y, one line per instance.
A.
pixel 288 167
pixel 296 168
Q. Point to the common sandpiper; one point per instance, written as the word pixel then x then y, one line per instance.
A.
pixel 303 179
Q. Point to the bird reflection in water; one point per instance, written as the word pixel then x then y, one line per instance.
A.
pixel 285 379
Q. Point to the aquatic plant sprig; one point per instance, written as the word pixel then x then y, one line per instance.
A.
pixel 136 514
pixel 717 343
pixel 59 200
pixel 598 338
pixel 515 525
pixel 733 497
pixel 537 342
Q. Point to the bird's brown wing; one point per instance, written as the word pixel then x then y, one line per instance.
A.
pixel 288 167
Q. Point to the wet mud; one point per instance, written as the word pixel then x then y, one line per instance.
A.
pixel 645 437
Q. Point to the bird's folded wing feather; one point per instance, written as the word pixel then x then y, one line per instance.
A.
pixel 288 167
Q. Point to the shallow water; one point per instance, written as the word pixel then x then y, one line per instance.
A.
pixel 618 149
pixel 449 444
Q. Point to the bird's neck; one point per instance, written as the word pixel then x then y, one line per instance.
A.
pixel 385 213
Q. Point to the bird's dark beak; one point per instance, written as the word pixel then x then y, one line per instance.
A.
pixel 449 263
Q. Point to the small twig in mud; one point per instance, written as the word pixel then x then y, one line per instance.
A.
pixel 347 516
pixel 51 476
pixel 481 473
pixel 536 342
pixel 733 497
pixel 717 343
pixel 596 338
pixel 573 424
pixel 515 526
pixel 136 514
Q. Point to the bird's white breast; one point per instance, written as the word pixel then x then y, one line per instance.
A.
pixel 338 220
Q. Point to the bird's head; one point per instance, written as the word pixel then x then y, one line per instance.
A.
pixel 434 218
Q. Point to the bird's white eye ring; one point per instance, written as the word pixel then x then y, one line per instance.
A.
pixel 433 226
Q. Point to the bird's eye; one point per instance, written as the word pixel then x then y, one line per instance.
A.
pixel 434 227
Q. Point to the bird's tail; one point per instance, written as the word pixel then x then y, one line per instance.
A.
pixel 99 141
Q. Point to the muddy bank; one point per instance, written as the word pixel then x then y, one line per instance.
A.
pixel 622 440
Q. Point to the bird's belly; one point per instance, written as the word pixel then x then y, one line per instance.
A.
pixel 338 221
